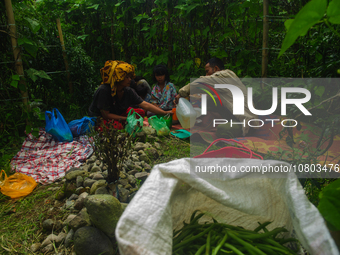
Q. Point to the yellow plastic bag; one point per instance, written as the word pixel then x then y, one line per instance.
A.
pixel 16 185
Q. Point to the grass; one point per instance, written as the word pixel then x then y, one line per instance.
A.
pixel 21 220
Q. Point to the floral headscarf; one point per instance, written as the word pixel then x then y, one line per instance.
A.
pixel 115 71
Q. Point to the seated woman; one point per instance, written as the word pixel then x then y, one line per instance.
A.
pixel 114 98
pixel 164 92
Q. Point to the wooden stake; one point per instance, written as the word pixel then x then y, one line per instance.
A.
pixel 16 52
pixel 265 39
pixel 64 55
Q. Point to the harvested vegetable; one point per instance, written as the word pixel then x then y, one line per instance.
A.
pixel 219 238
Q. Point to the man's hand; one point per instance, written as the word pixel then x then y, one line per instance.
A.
pixel 176 99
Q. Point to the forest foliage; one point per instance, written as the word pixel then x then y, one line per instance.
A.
pixel 181 34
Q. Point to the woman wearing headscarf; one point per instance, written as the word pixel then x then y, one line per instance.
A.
pixel 114 97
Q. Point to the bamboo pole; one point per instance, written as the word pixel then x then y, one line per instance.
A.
pixel 112 40
pixel 16 52
pixel 61 38
pixel 265 39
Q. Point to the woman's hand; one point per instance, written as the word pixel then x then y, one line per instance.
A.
pixel 149 107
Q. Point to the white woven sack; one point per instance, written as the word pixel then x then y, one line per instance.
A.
pixel 171 193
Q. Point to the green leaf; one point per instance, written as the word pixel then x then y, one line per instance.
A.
pixel 41 116
pixel 28 129
pixel 31 49
pixel 24 40
pixel 119 3
pixel 82 37
pixel 319 91
pixel 333 12
pixel 205 31
pixel 318 56
pixel 329 205
pixel 35 26
pixel 308 16
pixel 16 77
pixel 14 84
pixel 34 74
pixel 288 22
pixel 22 87
pixel 95 6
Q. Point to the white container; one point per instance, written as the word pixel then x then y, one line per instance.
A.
pixel 186 114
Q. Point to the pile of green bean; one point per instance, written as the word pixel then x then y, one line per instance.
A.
pixel 218 238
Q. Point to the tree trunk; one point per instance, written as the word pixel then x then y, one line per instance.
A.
pixel 64 56
pixel 16 52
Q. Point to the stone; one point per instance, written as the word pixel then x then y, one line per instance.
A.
pixel 69 204
pixel 144 157
pixel 68 219
pixel 139 146
pixel 152 138
pixel 92 159
pixel 69 238
pixel 47 248
pixel 96 185
pixel 138 168
pixel 122 176
pixel 141 136
pixel 157 146
pixel 48 224
pixel 60 195
pixel 131 179
pixel 153 153
pixel 128 186
pixel 101 190
pixel 147 166
pixel 104 212
pixel 80 190
pixel 124 205
pixel 124 182
pixel 49 239
pixel 79 203
pixel 73 175
pixel 141 152
pixel 61 237
pixel 89 183
pixel 53 188
pixel 148 145
pixel 123 195
pixel 79 181
pixel 135 158
pixel 142 176
pixel 95 169
pixel 35 247
pixel 90 241
pixel 81 220
pixel 69 188
pixel 133 172
pixel 73 197
pixel 89 167
pixel 105 174
pixel 98 176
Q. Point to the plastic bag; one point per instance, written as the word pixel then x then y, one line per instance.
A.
pixel 172 193
pixel 17 185
pixel 57 126
pixel 133 125
pixel 186 114
pixel 160 125
pixel 82 126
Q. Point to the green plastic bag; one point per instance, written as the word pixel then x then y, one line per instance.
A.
pixel 133 125
pixel 160 125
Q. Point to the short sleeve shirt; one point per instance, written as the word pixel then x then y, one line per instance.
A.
pixel 102 100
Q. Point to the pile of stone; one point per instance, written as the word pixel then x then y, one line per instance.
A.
pixel 94 206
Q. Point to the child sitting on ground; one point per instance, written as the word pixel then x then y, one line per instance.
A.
pixel 164 92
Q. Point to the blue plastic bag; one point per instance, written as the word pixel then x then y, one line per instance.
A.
pixel 57 126
pixel 82 126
